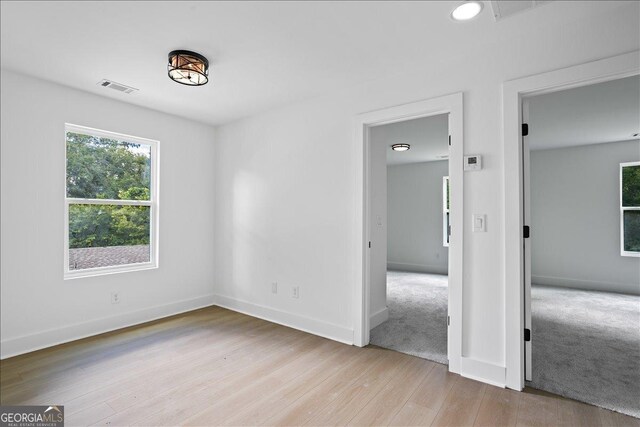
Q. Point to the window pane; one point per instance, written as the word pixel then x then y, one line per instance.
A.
pixel 107 235
pixel 632 231
pixel 631 186
pixel 103 168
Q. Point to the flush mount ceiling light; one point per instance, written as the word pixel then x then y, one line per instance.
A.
pixel 466 11
pixel 400 147
pixel 188 68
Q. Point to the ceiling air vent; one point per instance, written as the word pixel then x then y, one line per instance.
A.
pixel 503 9
pixel 116 86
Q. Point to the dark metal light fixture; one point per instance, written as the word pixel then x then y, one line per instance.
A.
pixel 188 68
pixel 400 147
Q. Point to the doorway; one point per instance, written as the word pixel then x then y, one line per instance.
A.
pixel 581 165
pixel 451 106
pixel 514 263
pixel 409 170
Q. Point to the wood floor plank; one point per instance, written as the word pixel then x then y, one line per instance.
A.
pixel 499 407
pixel 536 410
pixel 355 397
pixel 307 406
pixel 577 414
pixel 234 401
pixel 432 392
pixel 413 414
pixel 196 392
pixel 216 367
pixel 461 406
pixel 278 399
pixel 392 397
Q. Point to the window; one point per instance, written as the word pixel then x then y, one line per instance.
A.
pixel 630 209
pixel 445 211
pixel 111 203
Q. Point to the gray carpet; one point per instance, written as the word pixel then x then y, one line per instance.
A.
pixel 586 346
pixel 417 322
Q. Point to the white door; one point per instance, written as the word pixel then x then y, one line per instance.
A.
pixel 526 191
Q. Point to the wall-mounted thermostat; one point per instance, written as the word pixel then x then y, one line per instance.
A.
pixel 472 163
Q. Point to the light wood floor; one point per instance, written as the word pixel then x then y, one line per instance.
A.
pixel 217 367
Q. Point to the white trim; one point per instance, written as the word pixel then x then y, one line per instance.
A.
pixel 453 105
pixel 419 268
pixel 379 317
pixel 119 202
pixel 49 338
pixel 622 210
pixel 296 321
pixel 482 371
pixel 512 92
pixel 153 205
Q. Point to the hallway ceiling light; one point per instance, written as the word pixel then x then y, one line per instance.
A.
pixel 188 68
pixel 466 11
pixel 400 147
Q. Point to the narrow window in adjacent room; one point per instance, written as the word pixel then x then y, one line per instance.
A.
pixel 445 211
pixel 111 203
pixel 630 209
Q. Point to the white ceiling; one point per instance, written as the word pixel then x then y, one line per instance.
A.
pixel 428 137
pixel 263 54
pixel 604 112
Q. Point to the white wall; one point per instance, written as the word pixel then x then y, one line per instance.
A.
pixel 285 180
pixel 415 217
pixel 378 147
pixel 39 308
pixel 575 218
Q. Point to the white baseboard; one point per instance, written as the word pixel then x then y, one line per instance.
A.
pixel 483 371
pixel 418 268
pixel 27 343
pixel 379 317
pixel 592 285
pixel 296 321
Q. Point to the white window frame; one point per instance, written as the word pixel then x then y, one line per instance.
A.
pixel 152 203
pixel 445 212
pixel 622 211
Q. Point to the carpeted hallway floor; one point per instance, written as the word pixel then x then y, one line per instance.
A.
pixel 417 322
pixel 586 346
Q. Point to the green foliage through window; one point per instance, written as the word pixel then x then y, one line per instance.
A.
pixel 630 189
pixel 631 186
pixel 104 168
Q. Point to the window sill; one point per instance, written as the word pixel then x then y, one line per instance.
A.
pixel 102 271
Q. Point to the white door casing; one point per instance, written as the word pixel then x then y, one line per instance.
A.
pixel 453 105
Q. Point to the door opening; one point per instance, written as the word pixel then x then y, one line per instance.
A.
pixel 451 107
pixel 581 173
pixel 409 237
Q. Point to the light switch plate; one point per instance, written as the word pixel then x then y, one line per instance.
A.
pixel 479 223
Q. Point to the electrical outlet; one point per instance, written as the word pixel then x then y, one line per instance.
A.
pixel 295 292
pixel 274 288
pixel 115 297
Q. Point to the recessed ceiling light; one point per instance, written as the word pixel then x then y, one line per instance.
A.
pixel 466 11
pixel 400 147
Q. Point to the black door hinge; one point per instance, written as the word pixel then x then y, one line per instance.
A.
pixel 527 335
pixel 448 320
pixel 525 129
pixel 369 244
pixel 449 140
pixel 526 232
